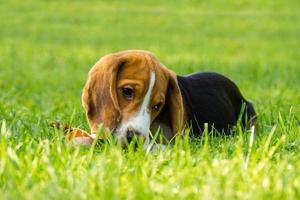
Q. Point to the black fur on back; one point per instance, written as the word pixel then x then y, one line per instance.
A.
pixel 214 99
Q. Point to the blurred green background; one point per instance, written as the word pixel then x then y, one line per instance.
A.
pixel 47 47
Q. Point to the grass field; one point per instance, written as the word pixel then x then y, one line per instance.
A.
pixel 47 48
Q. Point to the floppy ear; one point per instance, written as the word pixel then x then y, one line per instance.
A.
pixel 99 92
pixel 171 118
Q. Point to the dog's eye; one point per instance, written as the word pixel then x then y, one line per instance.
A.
pixel 127 93
pixel 157 107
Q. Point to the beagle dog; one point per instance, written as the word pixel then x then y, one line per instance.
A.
pixel 132 94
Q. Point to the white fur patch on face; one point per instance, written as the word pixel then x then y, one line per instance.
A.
pixel 141 122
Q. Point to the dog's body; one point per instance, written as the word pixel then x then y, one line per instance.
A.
pixel 131 92
pixel 213 99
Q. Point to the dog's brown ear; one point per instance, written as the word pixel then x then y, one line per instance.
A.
pixel 171 118
pixel 175 103
pixel 99 96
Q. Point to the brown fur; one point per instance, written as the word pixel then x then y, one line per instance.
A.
pixel 102 94
pixel 71 132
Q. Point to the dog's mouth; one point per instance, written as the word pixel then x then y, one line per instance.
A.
pixel 127 140
pixel 130 138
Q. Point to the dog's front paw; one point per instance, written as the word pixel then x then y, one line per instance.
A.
pixel 79 137
pixel 74 136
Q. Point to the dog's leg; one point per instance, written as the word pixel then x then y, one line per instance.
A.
pixel 79 137
pixel 74 135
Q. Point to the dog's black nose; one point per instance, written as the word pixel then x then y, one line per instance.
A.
pixel 131 134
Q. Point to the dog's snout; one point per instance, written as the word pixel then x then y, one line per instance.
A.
pixel 131 134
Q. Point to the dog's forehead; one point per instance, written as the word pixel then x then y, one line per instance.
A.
pixel 129 70
pixel 136 70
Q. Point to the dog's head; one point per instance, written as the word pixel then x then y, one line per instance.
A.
pixel 131 92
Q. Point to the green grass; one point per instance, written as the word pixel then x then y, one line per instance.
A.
pixel 47 48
